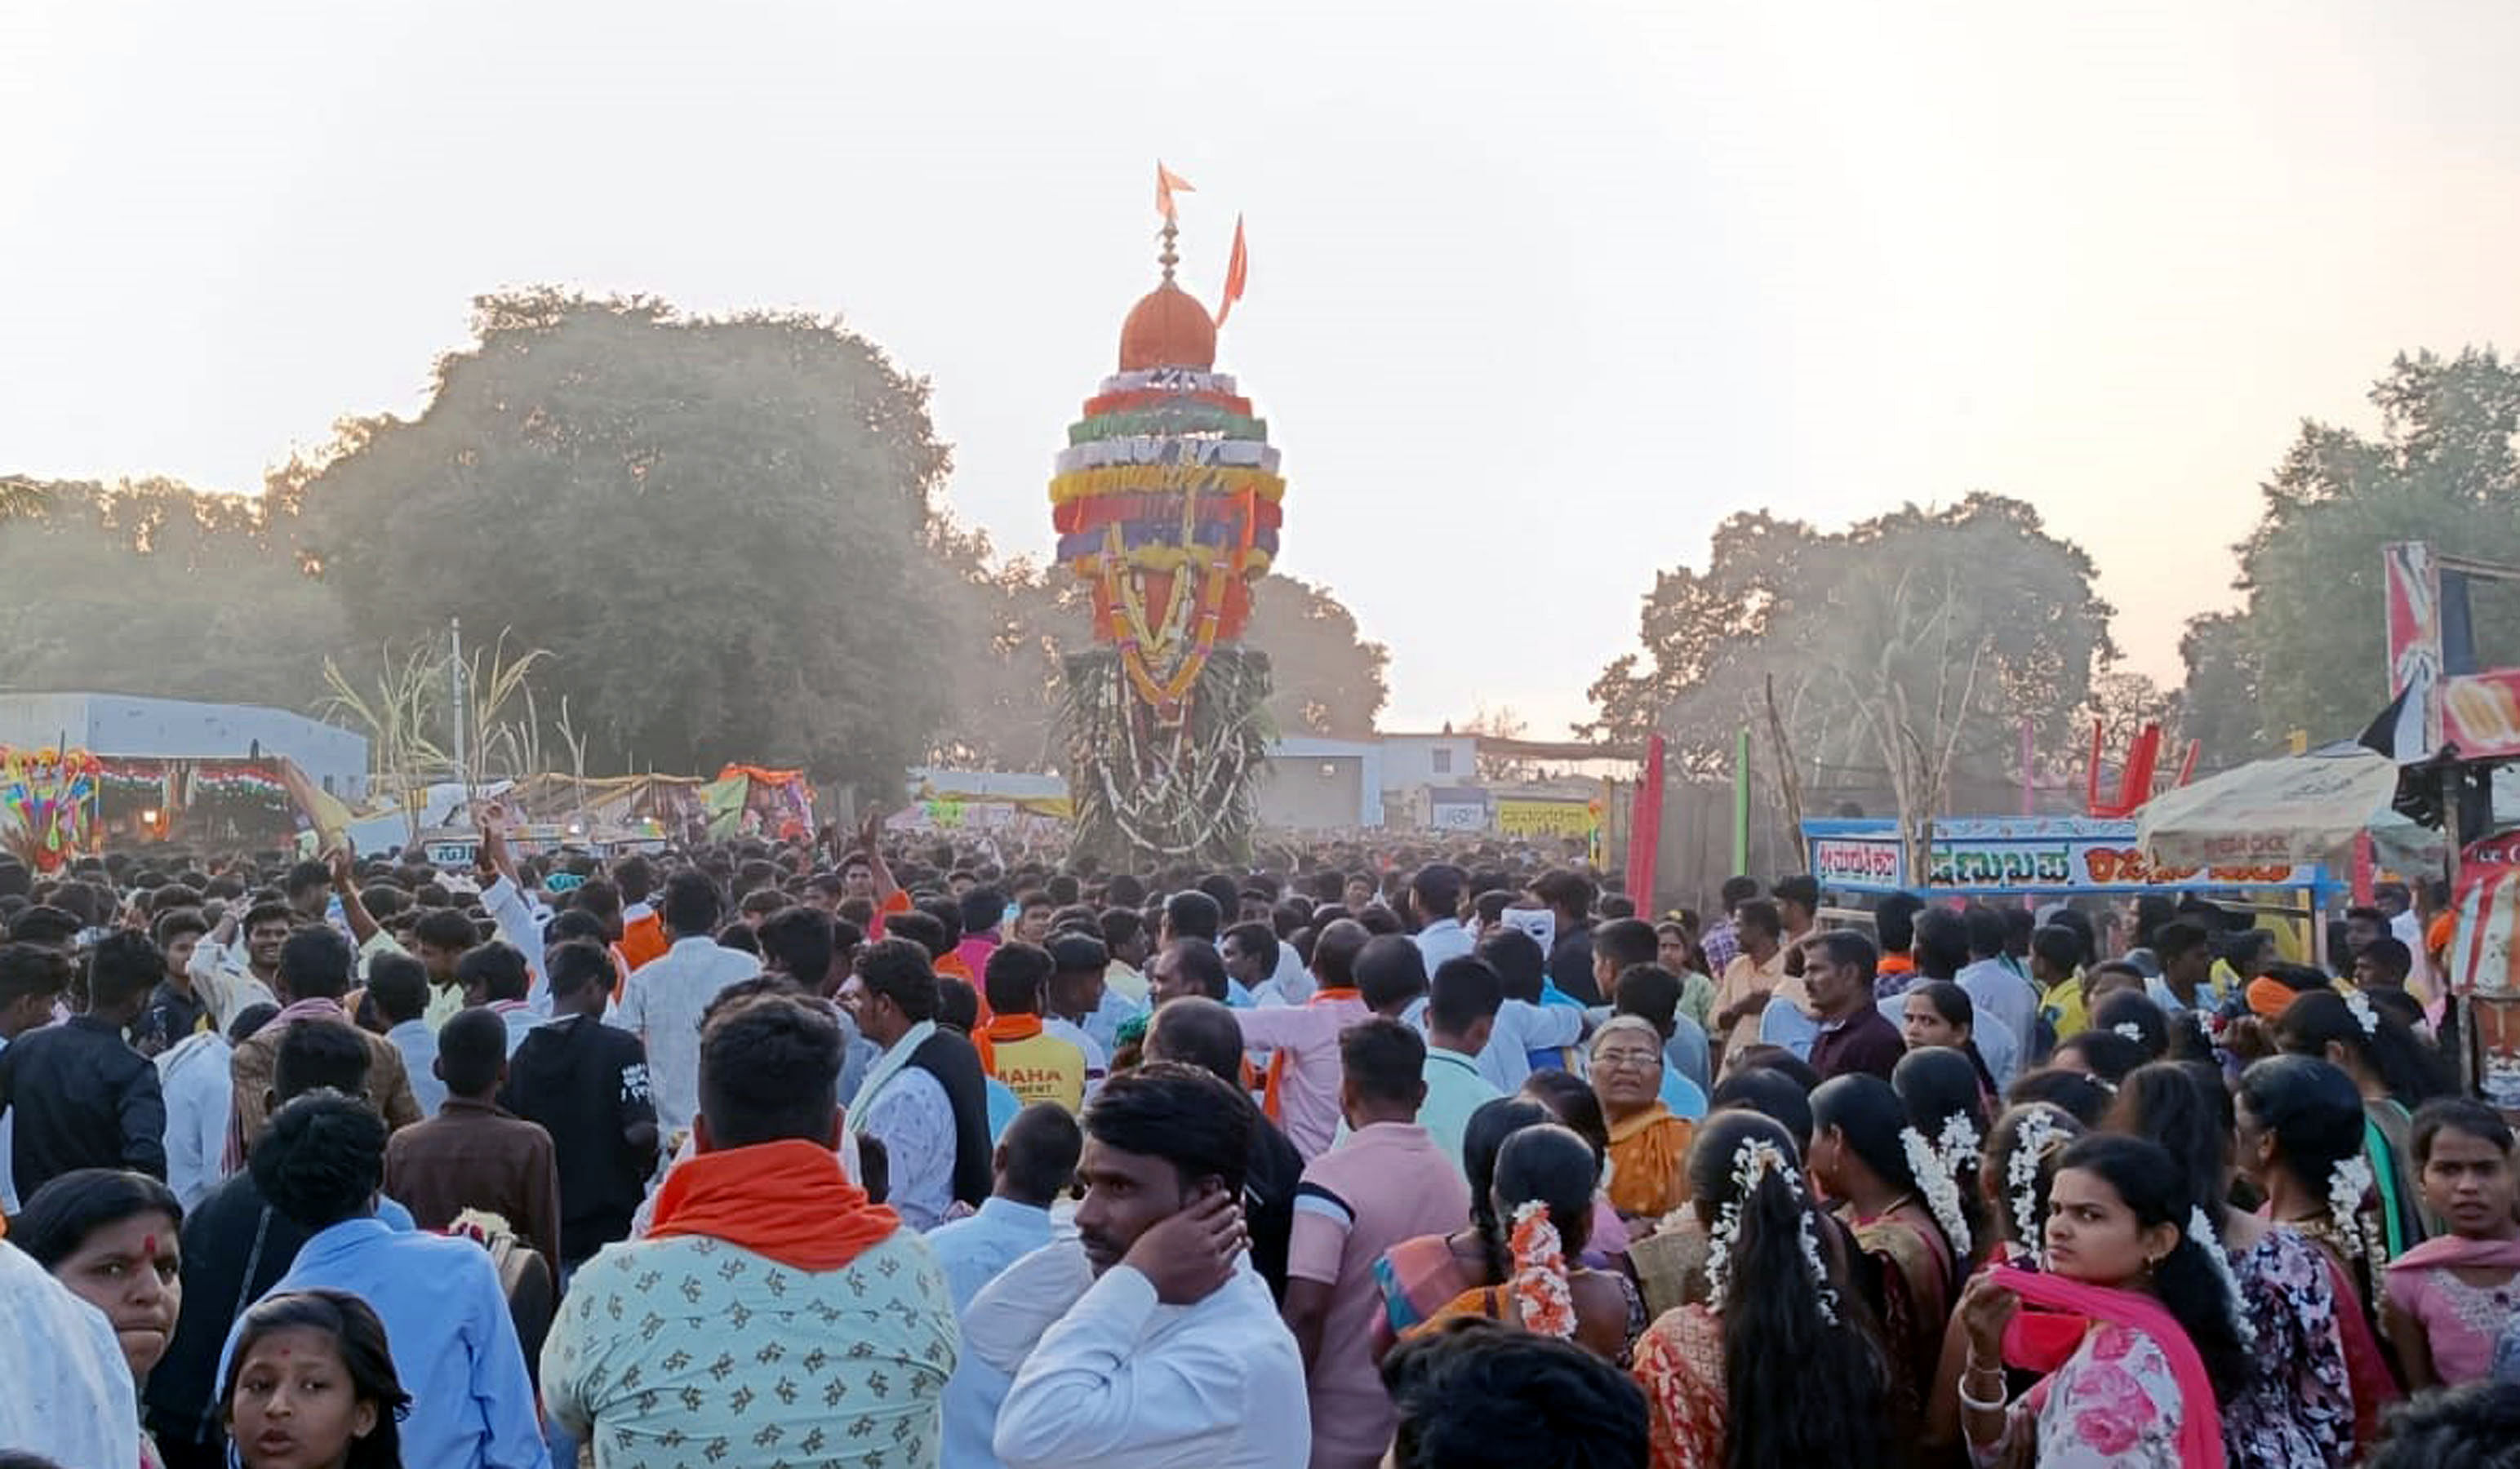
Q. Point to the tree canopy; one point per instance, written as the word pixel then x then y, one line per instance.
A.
pixel 714 525
pixel 153 588
pixel 1897 652
pixel 2309 649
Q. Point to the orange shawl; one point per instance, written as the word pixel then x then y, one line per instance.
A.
pixel 1649 1162
pixel 787 1200
pixel 1003 1028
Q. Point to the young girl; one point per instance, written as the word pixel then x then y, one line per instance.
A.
pixel 1938 1012
pixel 1544 1190
pixel 2450 1298
pixel 1419 1276
pixel 2298 1409
pixel 311 1385
pixel 2394 1072
pixel 2020 1167
pixel 2152 1351
pixel 1770 1369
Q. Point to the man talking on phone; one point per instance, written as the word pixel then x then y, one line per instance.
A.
pixel 1149 1338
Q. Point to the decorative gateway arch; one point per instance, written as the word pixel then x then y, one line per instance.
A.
pixel 1166 501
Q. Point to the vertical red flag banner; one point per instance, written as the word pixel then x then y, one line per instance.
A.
pixel 1644 831
pixel 1166 182
pixel 1238 275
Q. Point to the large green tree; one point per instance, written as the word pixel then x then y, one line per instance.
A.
pixel 716 527
pixel 153 588
pixel 1902 652
pixel 2310 647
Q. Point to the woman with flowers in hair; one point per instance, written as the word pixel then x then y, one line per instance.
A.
pixel 2131 1326
pixel 1939 1090
pixel 2298 1409
pixel 1765 1370
pixel 2298 1127
pixel 1902 1203
pixel 2021 1153
pixel 1544 1191
pixel 2394 1072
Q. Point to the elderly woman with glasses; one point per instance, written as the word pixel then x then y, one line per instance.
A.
pixel 1649 1146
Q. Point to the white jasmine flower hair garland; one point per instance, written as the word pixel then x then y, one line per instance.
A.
pixel 2038 1132
pixel 2130 1029
pixel 2348 1183
pixel 2200 1229
pixel 1752 1160
pixel 2364 1015
pixel 1941 1189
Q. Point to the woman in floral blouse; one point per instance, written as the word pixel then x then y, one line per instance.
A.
pixel 2142 1350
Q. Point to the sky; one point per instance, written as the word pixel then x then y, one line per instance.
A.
pixel 1539 293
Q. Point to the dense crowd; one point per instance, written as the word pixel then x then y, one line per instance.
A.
pixel 870 1151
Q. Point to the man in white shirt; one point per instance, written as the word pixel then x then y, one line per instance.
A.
pixel 662 1002
pixel 1164 1347
pixel 1035 1162
pixel 1436 902
pixel 1997 990
pixel 193 1077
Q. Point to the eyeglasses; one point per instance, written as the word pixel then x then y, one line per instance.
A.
pixel 1627 1060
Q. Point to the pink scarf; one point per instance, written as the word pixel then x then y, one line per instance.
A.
pixel 2200 1429
pixel 2449 1252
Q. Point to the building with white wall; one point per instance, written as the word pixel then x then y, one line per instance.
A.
pixel 114 726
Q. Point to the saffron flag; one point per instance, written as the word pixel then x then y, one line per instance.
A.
pixel 1238 274
pixel 1166 181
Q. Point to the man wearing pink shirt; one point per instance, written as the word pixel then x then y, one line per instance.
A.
pixel 1302 1042
pixel 1387 1182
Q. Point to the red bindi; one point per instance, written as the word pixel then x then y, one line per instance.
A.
pixel 148 1244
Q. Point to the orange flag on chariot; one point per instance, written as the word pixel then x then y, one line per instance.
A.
pixel 1166 181
pixel 1238 274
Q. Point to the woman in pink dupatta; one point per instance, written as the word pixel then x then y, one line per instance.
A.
pixel 2143 1345
pixel 2451 1298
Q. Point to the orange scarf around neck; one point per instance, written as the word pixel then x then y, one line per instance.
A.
pixel 1271 1104
pixel 1006 1028
pixel 787 1200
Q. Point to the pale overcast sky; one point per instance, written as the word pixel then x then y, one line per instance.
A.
pixel 1540 292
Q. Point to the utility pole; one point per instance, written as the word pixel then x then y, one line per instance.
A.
pixel 455 677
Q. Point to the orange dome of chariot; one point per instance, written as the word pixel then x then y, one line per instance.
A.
pixel 1167 329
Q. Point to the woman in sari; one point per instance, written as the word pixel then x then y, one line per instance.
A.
pixel 2297 1409
pixel 1543 1188
pixel 2142 1346
pixel 2021 1153
pixel 2396 1073
pixel 1421 1277
pixel 1764 1370
pixel 1904 1212
pixel 1649 1146
pixel 2298 1126
pixel 2451 1298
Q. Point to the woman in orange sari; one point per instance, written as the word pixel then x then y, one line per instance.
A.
pixel 1543 1189
pixel 1649 1146
pixel 1767 1369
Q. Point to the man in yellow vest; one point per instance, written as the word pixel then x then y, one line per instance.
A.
pixel 1035 1066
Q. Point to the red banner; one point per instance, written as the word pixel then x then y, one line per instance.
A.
pixel 1644 831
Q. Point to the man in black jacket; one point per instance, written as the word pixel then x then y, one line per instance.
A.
pixel 925 1098
pixel 82 1097
pixel 586 1083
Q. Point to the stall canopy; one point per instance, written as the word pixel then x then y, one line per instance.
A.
pixel 2300 809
